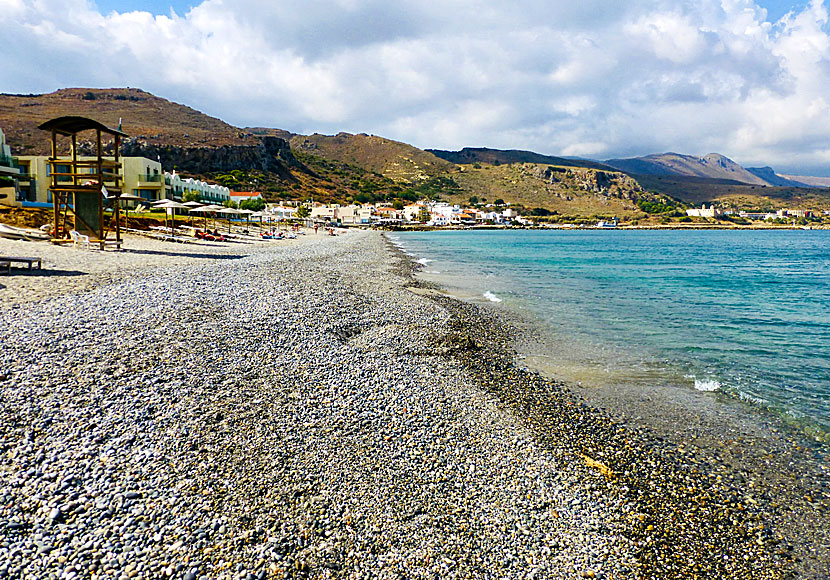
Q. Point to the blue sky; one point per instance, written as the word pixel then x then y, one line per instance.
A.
pixel 155 6
pixel 775 8
pixel 778 8
pixel 595 78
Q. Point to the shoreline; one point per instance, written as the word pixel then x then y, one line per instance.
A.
pixel 284 414
pixel 684 425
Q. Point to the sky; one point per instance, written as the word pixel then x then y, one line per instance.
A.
pixel 596 78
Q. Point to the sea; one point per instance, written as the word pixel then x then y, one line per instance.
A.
pixel 740 314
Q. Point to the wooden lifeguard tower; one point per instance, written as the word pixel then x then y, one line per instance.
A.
pixel 83 188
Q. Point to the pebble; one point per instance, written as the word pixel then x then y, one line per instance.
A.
pixel 297 412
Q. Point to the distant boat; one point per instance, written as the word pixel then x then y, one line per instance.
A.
pixel 604 224
pixel 13 233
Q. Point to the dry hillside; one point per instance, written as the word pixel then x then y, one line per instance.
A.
pixel 145 118
pixel 566 190
pixel 397 161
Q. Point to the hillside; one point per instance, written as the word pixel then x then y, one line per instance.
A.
pixel 479 155
pixel 397 161
pixel 697 191
pixel 571 191
pixel 145 118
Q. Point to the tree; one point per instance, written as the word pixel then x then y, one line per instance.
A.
pixel 499 201
pixel 256 204
pixel 397 204
pixel 191 195
pixel 303 212
pixel 473 199
pixel 229 203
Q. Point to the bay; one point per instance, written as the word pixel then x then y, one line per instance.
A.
pixel 745 314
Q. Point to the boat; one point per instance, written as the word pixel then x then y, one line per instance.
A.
pixel 14 233
pixel 604 225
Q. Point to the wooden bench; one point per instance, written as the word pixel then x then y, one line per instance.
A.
pixel 6 262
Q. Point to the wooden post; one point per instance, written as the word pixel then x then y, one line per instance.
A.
pixel 55 199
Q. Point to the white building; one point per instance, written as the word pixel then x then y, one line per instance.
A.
pixel 280 212
pixel 175 187
pixel 705 212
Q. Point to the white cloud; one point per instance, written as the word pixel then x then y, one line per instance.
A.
pixel 595 77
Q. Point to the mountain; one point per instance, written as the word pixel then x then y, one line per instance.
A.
pixel 823 182
pixel 179 136
pixel 769 175
pixel 145 118
pixel 392 159
pixel 368 168
pixel 712 166
pixel 471 155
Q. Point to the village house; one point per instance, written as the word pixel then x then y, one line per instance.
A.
pixel 389 215
pixel 240 196
pixel 280 212
pixel 354 215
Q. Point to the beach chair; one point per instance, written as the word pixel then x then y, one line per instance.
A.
pixel 79 239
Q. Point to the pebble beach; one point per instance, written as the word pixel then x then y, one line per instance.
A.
pixel 307 409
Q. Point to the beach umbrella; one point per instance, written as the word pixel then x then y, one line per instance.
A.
pixel 229 211
pixel 128 197
pixel 247 213
pixel 205 209
pixel 213 208
pixel 171 206
pixel 258 214
pixel 193 205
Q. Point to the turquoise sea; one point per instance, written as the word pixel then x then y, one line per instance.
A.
pixel 743 313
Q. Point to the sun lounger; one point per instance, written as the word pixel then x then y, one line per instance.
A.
pixel 7 261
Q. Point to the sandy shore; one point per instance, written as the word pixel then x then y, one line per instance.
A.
pixel 304 409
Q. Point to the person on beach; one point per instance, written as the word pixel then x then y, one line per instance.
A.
pixel 315 229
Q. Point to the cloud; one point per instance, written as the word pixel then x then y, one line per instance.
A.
pixel 595 78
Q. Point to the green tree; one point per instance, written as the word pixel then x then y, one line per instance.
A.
pixel 499 201
pixel 191 195
pixel 303 212
pixel 397 204
pixel 256 204
pixel 229 203
pixel 473 199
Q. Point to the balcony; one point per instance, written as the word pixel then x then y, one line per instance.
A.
pixel 151 181
pixel 7 166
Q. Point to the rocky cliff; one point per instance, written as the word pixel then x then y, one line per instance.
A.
pixel 271 154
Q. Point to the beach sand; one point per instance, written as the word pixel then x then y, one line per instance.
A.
pixel 293 409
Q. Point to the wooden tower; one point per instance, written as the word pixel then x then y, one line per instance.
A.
pixel 82 189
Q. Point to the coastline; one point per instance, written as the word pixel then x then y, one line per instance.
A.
pixel 761 455
pixel 280 413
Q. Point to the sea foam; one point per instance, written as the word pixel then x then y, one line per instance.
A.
pixel 491 297
pixel 707 385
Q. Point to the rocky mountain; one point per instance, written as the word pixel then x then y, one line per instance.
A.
pixel 472 155
pixel 712 166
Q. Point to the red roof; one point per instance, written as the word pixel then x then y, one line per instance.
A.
pixel 246 193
